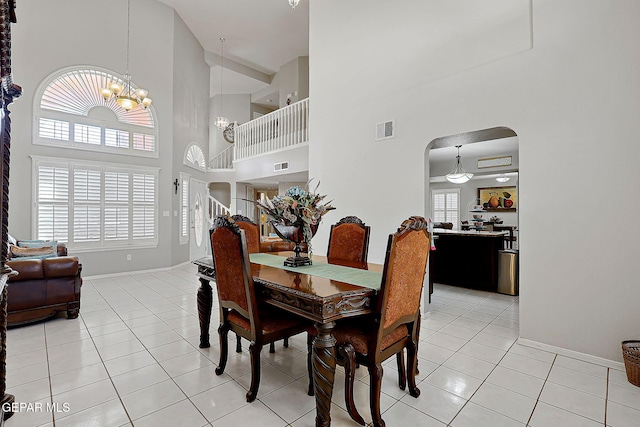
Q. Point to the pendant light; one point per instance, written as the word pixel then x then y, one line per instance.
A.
pixel 221 121
pixel 458 175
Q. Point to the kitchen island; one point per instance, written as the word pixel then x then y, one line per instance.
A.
pixel 465 258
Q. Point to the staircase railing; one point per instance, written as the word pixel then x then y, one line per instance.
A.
pixel 216 208
pixel 224 160
pixel 280 129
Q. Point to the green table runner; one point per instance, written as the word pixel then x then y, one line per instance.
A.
pixel 354 276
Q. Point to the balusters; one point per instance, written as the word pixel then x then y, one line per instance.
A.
pixel 282 128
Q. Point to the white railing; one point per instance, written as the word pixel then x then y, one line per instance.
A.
pixel 216 208
pixel 224 160
pixel 280 129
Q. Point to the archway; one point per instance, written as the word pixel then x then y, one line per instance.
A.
pixel 488 154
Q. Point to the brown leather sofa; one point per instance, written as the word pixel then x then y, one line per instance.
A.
pixel 43 287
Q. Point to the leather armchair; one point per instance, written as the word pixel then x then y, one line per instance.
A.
pixel 43 287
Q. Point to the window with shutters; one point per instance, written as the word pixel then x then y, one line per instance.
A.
pixel 70 112
pixel 93 205
pixel 184 212
pixel 445 206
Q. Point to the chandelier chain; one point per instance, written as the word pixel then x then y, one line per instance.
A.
pixel 221 70
pixel 128 32
pixel 123 93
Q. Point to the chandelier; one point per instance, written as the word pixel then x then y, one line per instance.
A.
pixel 221 121
pixel 123 92
pixel 294 3
pixel 458 175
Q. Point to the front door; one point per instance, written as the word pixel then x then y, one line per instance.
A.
pixel 198 221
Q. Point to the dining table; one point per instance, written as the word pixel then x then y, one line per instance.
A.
pixel 322 292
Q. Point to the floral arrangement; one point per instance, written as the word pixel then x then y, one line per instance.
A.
pixel 299 207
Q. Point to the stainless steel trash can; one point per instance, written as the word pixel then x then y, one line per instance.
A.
pixel 508 272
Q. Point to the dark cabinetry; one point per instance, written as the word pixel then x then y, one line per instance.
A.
pixel 467 259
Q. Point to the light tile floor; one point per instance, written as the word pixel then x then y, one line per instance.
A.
pixel 132 358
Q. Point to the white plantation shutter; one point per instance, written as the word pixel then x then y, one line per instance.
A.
pixel 86 205
pixel 185 208
pixel 53 203
pixel 453 208
pixel 116 205
pixel 144 206
pixel 144 142
pixel 438 207
pixel 87 134
pixel 54 129
pixel 445 206
pixel 116 138
pixel 95 205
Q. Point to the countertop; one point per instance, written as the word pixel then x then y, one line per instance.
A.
pixel 471 233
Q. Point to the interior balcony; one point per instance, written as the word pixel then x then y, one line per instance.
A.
pixel 272 145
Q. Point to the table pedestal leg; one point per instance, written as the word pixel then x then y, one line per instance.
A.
pixel 324 370
pixel 205 301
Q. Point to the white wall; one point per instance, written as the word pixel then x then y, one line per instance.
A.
pixel 42 45
pixel 236 108
pixel 566 85
pixel 190 120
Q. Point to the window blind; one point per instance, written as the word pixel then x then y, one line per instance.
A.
pixel 185 208
pixel 109 206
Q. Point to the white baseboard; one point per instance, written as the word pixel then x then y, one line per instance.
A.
pixel 127 273
pixel 573 354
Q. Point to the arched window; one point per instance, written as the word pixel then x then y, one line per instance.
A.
pixel 71 112
pixel 194 157
pixel 93 204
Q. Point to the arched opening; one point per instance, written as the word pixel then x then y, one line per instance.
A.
pixel 479 209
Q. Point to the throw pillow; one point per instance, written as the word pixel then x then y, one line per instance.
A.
pixel 37 243
pixel 10 241
pixel 48 251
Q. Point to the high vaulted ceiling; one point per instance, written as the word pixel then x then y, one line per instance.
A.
pixel 260 35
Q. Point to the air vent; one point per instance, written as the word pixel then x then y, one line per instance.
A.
pixel 282 166
pixel 385 130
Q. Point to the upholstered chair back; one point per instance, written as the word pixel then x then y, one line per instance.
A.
pixel 230 258
pixel 349 240
pixel 404 271
pixel 251 232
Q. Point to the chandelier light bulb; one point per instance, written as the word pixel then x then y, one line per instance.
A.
pixel 221 122
pixel 294 3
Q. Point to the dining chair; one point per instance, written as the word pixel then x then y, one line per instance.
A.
pixel 349 241
pixel 395 321
pixel 240 311
pixel 252 233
